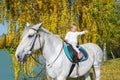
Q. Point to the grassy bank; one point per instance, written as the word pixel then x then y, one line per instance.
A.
pixel 111 70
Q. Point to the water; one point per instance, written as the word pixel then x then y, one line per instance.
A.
pixel 7 68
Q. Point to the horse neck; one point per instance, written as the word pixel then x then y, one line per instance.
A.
pixel 52 47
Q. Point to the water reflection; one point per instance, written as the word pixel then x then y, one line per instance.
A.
pixel 11 70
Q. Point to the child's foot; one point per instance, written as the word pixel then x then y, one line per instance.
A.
pixel 79 55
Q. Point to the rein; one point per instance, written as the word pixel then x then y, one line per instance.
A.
pixel 57 56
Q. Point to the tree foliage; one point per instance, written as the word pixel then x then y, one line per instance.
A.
pixel 101 18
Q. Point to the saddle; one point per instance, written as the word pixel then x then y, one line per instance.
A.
pixel 72 54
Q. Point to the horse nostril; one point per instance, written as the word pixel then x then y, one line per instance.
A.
pixel 18 56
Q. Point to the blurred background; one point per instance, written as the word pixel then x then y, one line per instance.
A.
pixel 100 17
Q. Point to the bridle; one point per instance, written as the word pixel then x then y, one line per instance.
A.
pixel 35 39
pixel 32 56
pixel 40 46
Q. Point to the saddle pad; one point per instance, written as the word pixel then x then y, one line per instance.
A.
pixel 67 52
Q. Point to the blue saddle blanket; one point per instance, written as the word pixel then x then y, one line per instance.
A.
pixel 70 57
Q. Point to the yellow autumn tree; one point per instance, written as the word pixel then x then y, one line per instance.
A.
pixel 100 17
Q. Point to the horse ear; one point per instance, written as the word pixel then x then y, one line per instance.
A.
pixel 38 26
pixel 27 24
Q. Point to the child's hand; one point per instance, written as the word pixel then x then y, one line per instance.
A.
pixel 86 31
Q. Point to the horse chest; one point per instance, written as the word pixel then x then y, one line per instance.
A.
pixel 51 71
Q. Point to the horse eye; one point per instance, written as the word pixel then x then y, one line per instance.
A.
pixel 30 36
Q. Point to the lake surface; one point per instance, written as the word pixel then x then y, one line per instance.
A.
pixel 7 68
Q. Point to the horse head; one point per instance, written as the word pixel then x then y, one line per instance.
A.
pixel 31 41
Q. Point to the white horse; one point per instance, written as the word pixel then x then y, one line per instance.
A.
pixel 57 63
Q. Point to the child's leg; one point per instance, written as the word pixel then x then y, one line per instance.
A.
pixel 76 49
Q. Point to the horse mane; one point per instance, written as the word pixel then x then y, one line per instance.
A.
pixel 41 29
pixel 50 33
pixel 45 30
